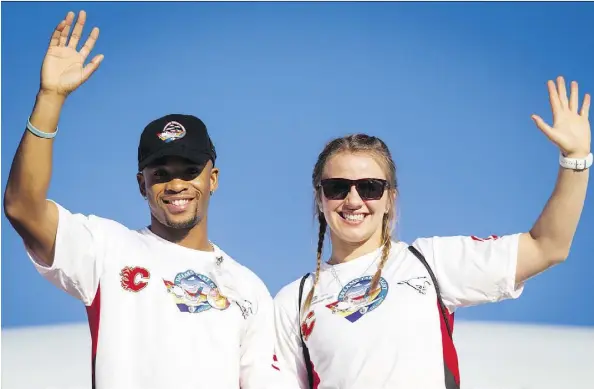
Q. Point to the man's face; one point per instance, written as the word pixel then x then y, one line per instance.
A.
pixel 178 190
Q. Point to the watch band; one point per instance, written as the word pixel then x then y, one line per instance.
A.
pixel 576 163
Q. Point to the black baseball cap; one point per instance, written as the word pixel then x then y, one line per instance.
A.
pixel 175 135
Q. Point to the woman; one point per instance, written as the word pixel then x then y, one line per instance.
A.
pixel 379 313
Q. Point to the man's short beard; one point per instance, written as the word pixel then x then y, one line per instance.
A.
pixel 185 225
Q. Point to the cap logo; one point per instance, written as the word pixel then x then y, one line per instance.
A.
pixel 172 131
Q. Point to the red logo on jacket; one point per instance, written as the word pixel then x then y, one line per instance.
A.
pixel 275 359
pixel 134 279
pixel 490 237
pixel 308 325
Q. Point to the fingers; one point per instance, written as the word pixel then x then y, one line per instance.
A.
pixel 558 96
pixel 573 97
pixel 562 92
pixel 585 112
pixel 78 28
pixel 55 39
pixel 90 43
pixel 66 30
pixel 91 67
pixel 554 97
pixel 559 101
pixel 544 127
pixel 76 34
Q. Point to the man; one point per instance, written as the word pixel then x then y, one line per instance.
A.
pixel 166 308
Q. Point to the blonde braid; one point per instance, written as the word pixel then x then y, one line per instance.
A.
pixel 321 235
pixel 387 245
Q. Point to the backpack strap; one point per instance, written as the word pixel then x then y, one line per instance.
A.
pixel 305 349
pixel 442 306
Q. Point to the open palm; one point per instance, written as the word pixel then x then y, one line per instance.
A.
pixel 63 68
pixel 571 127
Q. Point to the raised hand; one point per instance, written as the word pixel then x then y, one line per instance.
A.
pixel 571 129
pixel 63 68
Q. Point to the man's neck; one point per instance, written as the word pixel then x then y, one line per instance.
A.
pixel 195 238
pixel 346 251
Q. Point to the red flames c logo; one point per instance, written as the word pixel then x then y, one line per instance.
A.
pixel 134 279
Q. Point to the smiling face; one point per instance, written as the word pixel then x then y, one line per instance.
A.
pixel 360 214
pixel 178 191
pixel 353 219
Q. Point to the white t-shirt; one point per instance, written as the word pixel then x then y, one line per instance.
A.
pixel 161 315
pixel 393 337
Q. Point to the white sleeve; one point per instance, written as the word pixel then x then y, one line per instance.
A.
pixel 288 349
pixel 78 256
pixel 257 345
pixel 471 270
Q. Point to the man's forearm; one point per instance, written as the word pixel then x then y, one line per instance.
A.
pixel 31 170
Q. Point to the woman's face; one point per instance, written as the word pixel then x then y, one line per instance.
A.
pixel 355 218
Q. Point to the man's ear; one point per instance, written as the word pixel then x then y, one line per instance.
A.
pixel 141 184
pixel 214 179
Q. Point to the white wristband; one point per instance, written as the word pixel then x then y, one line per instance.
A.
pixel 41 134
pixel 576 163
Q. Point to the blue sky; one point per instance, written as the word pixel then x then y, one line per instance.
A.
pixel 449 87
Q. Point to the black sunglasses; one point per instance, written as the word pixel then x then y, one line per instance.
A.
pixel 368 188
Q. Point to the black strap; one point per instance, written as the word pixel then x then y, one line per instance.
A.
pixel 442 306
pixel 305 349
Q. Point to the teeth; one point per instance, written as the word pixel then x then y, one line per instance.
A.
pixel 180 202
pixel 354 217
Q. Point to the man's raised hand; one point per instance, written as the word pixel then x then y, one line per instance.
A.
pixel 64 68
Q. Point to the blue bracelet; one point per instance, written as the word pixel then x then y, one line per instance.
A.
pixel 41 134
